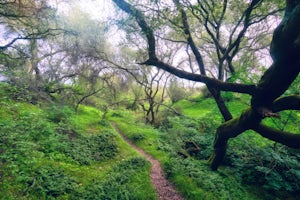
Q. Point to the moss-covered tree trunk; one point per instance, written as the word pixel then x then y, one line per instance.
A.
pixel 285 51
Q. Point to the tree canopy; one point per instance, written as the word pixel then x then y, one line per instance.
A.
pixel 181 79
pixel 222 44
pixel 188 22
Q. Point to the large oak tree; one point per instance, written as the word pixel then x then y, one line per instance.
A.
pixel 267 97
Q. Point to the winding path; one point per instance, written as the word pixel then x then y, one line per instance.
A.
pixel 163 187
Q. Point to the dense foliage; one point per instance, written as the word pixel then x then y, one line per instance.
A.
pixel 46 155
pixel 254 168
pixel 50 151
pixel 66 75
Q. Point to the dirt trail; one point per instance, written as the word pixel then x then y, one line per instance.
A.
pixel 163 187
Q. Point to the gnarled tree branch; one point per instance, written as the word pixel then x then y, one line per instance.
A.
pixel 273 84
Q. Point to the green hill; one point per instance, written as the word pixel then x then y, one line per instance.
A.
pixel 50 152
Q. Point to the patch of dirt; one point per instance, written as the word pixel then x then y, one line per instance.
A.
pixel 163 187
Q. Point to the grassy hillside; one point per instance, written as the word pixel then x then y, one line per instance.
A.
pixel 254 168
pixel 192 177
pixel 52 152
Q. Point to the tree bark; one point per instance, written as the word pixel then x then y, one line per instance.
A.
pixel 220 103
pixel 275 81
pixel 285 51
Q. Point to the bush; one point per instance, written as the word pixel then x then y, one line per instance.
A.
pixel 50 182
pixel 190 135
pixel 136 137
pixel 126 180
pixel 276 168
pixel 252 160
pixel 58 114
pixel 205 183
pixel 88 149
pixel 13 92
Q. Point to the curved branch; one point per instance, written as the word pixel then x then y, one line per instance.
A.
pixel 140 18
pixel 38 35
pixel 291 102
pixel 154 61
pixel 231 129
pixel 284 50
pixel 285 138
pixel 215 83
pixel 250 119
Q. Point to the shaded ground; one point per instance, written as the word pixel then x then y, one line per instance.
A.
pixel 163 187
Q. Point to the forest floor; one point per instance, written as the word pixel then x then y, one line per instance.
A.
pixel 163 187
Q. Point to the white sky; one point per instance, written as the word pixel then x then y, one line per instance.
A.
pixel 98 9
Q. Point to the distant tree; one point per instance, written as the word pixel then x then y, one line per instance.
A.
pixel 26 20
pixel 55 57
pixel 154 84
pixel 25 25
pixel 266 95
pixel 176 90
pixel 153 90
pixel 84 65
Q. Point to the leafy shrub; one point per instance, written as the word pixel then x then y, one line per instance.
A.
pixel 87 149
pixel 24 142
pixel 184 130
pixel 163 116
pixel 104 123
pixel 276 168
pixel 50 182
pixel 206 184
pixel 58 114
pixel 124 181
pixel 117 114
pixel 228 96
pixel 15 93
pixel 67 130
pixel 136 137
pixel 27 127
pixel 39 153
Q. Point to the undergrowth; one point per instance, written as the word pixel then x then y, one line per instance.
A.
pixel 51 152
pixel 254 167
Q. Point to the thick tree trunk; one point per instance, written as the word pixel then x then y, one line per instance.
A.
pixel 231 129
pixel 285 51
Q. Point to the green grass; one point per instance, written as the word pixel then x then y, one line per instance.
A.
pixel 246 173
pixel 191 177
pixel 36 159
pixel 145 136
pixel 197 108
pixel 54 153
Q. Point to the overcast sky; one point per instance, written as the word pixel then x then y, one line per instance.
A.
pixel 98 9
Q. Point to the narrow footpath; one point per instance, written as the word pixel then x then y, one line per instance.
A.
pixel 163 187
